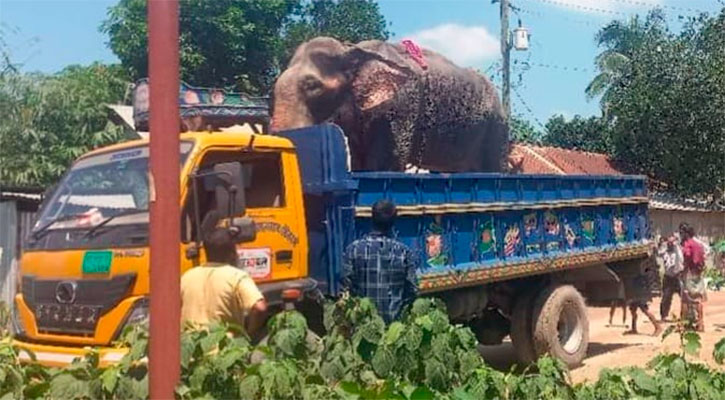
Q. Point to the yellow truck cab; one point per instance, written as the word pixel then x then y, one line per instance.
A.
pixel 85 269
pixel 83 282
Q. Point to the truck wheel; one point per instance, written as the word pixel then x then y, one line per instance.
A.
pixel 560 324
pixel 522 328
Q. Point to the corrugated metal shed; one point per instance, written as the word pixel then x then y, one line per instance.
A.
pixel 8 250
pixel 18 208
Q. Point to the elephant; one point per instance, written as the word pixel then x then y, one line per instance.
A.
pixel 398 105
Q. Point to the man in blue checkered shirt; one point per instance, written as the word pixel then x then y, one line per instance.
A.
pixel 380 267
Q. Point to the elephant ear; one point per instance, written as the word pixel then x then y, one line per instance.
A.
pixel 378 71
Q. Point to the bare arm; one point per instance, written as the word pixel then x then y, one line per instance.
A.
pixel 257 316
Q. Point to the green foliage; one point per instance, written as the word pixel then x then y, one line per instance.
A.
pixel 664 95
pixel 420 357
pixel 48 121
pixel 523 131
pixel 240 43
pixel 333 18
pixel 221 42
pixel 578 133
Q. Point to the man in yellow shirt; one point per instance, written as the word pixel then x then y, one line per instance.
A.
pixel 220 291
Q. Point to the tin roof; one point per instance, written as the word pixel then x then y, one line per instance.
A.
pixel 670 202
pixel 34 195
pixel 530 159
pixel 553 160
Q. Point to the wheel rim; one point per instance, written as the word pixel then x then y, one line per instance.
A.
pixel 569 327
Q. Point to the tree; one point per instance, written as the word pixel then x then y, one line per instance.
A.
pixel 668 112
pixel 48 121
pixel 349 20
pixel 578 133
pixel 522 131
pixel 221 42
pixel 240 43
pixel 620 40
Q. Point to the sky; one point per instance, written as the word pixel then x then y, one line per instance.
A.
pixel 549 78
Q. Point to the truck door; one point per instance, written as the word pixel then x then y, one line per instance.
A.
pixel 275 254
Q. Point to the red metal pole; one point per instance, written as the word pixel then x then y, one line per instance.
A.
pixel 164 341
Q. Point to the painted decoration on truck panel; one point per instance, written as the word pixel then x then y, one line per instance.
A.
pixel 532 233
pixel 486 236
pixel 620 230
pixel 588 233
pixel 569 235
pixel 552 230
pixel 257 262
pixel 511 240
pixel 551 224
pixel 435 245
pixel 530 223
pixel 283 230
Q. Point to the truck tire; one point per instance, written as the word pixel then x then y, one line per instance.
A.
pixel 522 330
pixel 560 324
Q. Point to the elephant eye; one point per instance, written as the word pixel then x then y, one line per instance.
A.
pixel 311 85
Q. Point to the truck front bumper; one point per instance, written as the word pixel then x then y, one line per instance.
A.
pixel 60 356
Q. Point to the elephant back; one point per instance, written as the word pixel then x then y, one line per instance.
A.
pixel 443 114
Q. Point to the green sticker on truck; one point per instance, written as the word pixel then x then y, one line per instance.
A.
pixel 97 262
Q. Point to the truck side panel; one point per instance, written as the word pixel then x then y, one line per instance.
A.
pixel 476 228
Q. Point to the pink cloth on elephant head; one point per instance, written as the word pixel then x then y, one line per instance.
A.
pixel 415 52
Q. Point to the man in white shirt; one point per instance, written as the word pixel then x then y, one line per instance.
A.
pixel 672 283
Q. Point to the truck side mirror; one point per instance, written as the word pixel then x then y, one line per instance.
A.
pixel 243 229
pixel 229 189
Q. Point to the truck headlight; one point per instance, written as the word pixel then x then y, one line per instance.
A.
pixel 138 315
pixel 18 327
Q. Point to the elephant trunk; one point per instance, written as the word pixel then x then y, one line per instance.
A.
pixel 289 109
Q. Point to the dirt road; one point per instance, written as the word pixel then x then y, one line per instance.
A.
pixel 608 347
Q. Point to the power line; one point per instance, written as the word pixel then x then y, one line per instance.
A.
pixel 632 2
pixel 518 10
pixel 584 8
pixel 552 66
pixel 651 5
pixel 528 109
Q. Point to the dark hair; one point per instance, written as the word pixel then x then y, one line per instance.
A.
pixel 219 246
pixel 384 213
pixel 687 229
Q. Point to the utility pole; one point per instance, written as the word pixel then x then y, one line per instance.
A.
pixel 505 54
pixel 165 218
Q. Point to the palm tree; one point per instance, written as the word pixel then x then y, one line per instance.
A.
pixel 621 40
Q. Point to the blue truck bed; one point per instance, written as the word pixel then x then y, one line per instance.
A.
pixel 469 228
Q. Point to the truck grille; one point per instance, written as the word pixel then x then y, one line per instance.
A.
pixel 73 306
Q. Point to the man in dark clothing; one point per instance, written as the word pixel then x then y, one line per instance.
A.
pixel 638 292
pixel 380 267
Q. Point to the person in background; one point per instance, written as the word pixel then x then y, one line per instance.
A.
pixel 620 302
pixel 638 292
pixel 380 267
pixel 672 282
pixel 219 291
pixel 694 292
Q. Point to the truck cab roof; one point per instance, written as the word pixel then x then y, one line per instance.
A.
pixel 208 138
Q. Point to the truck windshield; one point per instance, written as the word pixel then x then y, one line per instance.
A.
pixel 109 188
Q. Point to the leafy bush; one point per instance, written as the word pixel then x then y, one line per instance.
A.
pixel 423 356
